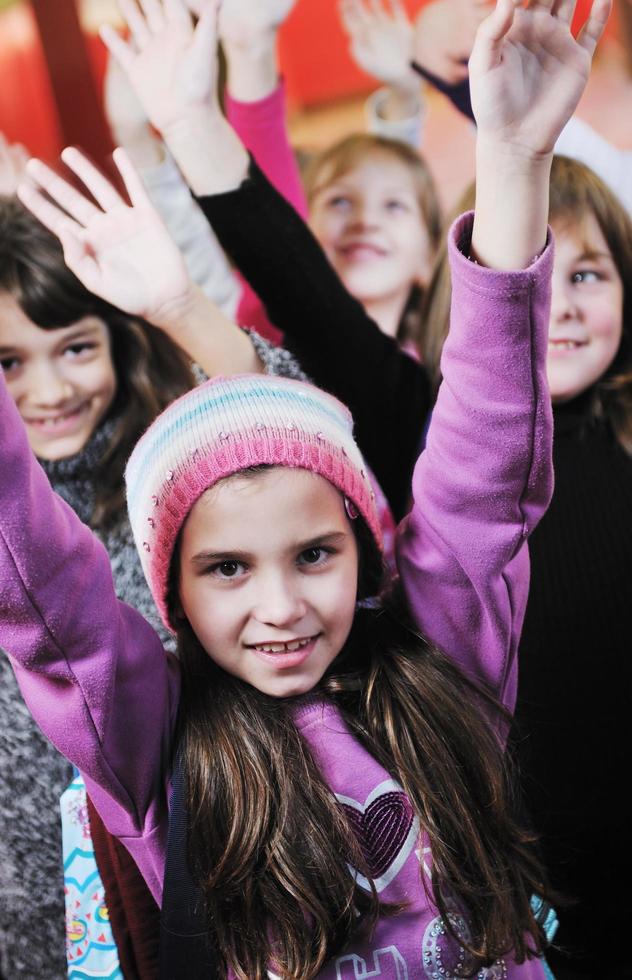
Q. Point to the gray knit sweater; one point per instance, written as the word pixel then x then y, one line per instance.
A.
pixel 32 774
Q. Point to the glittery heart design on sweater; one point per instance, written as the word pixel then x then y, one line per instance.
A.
pixel 386 829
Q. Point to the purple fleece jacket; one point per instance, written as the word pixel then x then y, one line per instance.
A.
pixel 98 682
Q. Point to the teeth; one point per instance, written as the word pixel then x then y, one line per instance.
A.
pixel 283 647
pixel 565 344
pixel 53 423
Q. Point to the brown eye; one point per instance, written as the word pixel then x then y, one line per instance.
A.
pixel 315 556
pixel 230 568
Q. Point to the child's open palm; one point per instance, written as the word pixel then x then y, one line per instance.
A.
pixel 171 64
pixel 381 39
pixel 528 72
pixel 122 253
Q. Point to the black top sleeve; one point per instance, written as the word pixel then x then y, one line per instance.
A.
pixel 458 94
pixel 335 341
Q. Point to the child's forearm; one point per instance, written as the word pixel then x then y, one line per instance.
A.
pixel 88 665
pixel 210 338
pixel 206 263
pixel 207 150
pixel 512 205
pixel 253 69
pixel 485 477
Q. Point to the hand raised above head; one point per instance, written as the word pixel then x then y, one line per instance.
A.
pixel 122 253
pixel 171 64
pixel 381 39
pixel 528 72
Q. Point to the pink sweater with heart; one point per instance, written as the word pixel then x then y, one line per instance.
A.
pixel 99 683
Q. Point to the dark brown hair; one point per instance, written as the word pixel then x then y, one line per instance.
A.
pixel 576 192
pixel 350 153
pixel 150 370
pixel 270 847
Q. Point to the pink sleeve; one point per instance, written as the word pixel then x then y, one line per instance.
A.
pixel 485 477
pixel 261 126
pixel 92 671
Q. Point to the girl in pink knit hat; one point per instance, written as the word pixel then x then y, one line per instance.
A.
pixel 317 787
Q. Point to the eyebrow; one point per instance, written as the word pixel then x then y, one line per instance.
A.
pixel 78 333
pixel 203 558
pixel 593 253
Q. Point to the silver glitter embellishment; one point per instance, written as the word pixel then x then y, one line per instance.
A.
pixel 154 498
pixel 151 522
pixel 146 546
pixel 224 436
pixel 169 474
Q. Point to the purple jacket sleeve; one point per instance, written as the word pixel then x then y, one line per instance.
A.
pixel 92 671
pixel 485 477
pixel 262 128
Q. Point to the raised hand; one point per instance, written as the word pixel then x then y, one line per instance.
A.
pixel 172 67
pixel 381 38
pixel 528 72
pixel 444 36
pixel 171 64
pixel 121 253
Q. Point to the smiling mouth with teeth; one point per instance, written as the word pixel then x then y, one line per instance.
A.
pixel 566 344
pixel 290 647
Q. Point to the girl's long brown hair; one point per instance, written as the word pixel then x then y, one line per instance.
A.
pixel 271 848
pixel 576 192
pixel 150 370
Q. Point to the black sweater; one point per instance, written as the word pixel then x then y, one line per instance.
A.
pixel 574 710
pixel 337 344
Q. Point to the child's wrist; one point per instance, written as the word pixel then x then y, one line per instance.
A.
pixel 513 158
pixel 253 71
pixel 202 118
pixel 174 316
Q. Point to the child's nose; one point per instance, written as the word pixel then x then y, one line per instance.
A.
pixel 279 602
pixel 564 304
pixel 49 386
pixel 364 215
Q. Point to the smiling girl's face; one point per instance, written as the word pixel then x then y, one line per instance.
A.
pixel 62 380
pixel 586 323
pixel 268 572
pixel 369 223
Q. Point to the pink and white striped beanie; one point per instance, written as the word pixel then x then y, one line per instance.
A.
pixel 226 425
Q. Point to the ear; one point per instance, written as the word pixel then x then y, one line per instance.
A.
pixel 176 611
